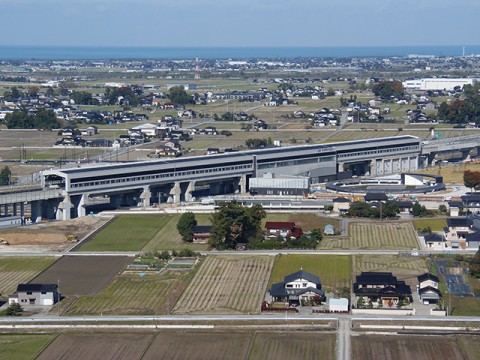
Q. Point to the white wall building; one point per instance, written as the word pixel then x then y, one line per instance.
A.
pixel 437 84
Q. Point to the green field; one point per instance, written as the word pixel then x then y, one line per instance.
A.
pixel 143 232
pixel 23 347
pixel 131 294
pixel 18 270
pixel 126 233
pixel 435 224
pixel 333 270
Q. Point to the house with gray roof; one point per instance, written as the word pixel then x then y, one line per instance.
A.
pixel 297 288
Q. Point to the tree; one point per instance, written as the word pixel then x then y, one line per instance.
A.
pixel 179 96
pixel 185 226
pixel 474 269
pixel 5 176
pixel 471 179
pixel 419 210
pixel 14 310
pixel 46 119
pixel 19 119
pixel 388 89
pixel 390 209
pixel 83 98
pixel 233 223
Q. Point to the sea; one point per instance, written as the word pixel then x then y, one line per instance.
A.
pixel 12 52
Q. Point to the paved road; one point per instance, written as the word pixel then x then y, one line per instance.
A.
pixel 343 339
pixel 7 252
pixel 192 319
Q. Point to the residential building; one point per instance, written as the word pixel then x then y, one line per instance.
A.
pixel 202 234
pixel 283 229
pixel 341 205
pixel 380 289
pixel 297 288
pixel 35 294
pixel 428 288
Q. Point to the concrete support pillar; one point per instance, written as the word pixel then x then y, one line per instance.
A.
pixel 6 207
pixel 81 205
pixel 373 167
pixel 14 209
pixel 341 167
pixel 243 184
pixel 189 190
pixel 175 192
pixel 64 207
pixel 146 196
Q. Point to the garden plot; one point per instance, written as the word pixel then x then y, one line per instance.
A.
pixel 134 295
pixel 18 270
pixel 227 285
pixel 374 235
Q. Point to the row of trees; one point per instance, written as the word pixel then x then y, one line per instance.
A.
pixel 363 209
pixel 43 119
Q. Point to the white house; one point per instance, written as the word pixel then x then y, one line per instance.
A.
pixel 35 294
pixel 428 288
pixel 297 287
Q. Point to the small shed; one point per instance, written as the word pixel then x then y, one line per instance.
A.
pixel 338 304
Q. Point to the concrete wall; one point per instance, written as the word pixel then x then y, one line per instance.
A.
pixel 392 312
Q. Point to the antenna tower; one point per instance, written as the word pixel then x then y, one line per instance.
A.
pixel 197 69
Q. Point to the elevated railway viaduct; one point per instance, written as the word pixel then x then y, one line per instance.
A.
pixel 177 180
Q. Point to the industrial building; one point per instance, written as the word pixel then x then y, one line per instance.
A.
pixel 441 84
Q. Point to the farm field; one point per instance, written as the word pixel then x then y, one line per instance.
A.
pixel 168 238
pixel 126 233
pixel 307 221
pixel 199 345
pixel 404 267
pixel 142 232
pixel 134 295
pixel 83 275
pixel 227 285
pixel 436 224
pixel 414 347
pixel 23 346
pixel 333 270
pixel 18 270
pixel 303 345
pixel 175 345
pixel 374 235
pixel 72 346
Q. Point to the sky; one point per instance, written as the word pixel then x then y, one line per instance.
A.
pixel 239 23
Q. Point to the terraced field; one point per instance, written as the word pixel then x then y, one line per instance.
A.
pixel 134 295
pixel 374 235
pixel 227 285
pixel 18 270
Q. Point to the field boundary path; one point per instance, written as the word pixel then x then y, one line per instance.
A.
pixel 343 339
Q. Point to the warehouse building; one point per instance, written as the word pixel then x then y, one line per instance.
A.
pixel 442 84
pixel 270 184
